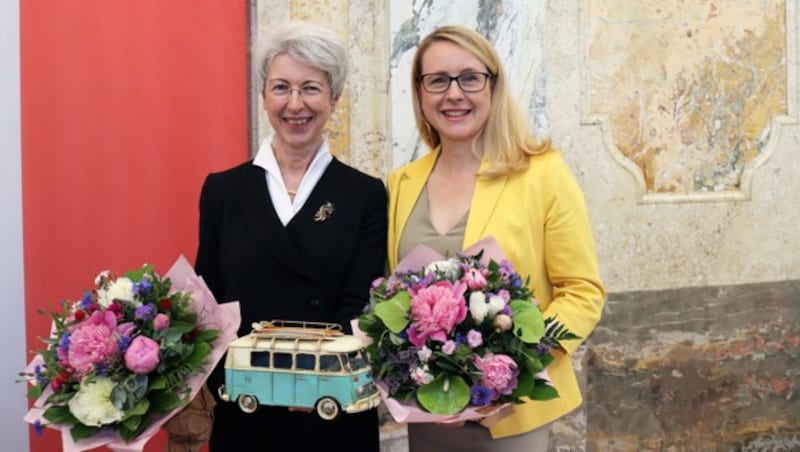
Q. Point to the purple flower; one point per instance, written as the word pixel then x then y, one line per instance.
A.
pixel 41 380
pixel 38 428
pixel 142 287
pixel 474 338
pixel 145 313
pixel 86 300
pixel 480 396
pixel 124 343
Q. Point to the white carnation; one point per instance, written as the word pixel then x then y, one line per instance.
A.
pixel 424 354
pixel 92 403
pixel 478 307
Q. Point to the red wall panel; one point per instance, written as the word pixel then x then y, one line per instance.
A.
pixel 126 106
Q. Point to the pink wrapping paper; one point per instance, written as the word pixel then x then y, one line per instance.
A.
pixel 225 318
pixel 419 257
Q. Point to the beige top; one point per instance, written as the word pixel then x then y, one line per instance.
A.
pixel 419 229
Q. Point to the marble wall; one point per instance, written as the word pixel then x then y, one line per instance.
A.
pixel 680 121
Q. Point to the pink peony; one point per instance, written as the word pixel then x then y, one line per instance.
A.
pixel 476 278
pixel 92 342
pixel 142 355
pixel 499 372
pixel 436 310
pixel 160 322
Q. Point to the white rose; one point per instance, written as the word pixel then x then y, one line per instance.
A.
pixel 449 268
pixel 477 306
pixel 496 304
pixel 92 403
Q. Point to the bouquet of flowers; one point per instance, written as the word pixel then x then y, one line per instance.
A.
pixel 459 334
pixel 125 356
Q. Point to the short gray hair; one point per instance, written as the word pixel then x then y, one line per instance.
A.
pixel 312 44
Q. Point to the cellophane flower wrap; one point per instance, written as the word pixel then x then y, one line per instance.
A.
pixel 459 335
pixel 127 355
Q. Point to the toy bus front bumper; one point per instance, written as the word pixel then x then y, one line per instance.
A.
pixel 364 404
pixel 223 394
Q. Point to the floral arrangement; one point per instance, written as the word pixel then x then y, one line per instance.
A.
pixel 459 334
pixel 120 357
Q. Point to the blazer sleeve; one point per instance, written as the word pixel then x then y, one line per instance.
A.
pixel 570 258
pixel 207 262
pixel 369 255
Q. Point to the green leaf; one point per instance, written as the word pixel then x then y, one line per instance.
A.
pixel 528 321
pixel 543 392
pixel 60 414
pixel 81 431
pixel 525 385
pixel 165 401
pixel 444 395
pixel 132 422
pixel 199 354
pixel 183 327
pixel 138 410
pixel 206 336
pixel 159 382
pixel 394 312
pixel 34 392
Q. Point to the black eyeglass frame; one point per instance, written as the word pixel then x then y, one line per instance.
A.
pixel 457 78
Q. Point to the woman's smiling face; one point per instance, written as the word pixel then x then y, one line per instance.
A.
pixel 298 118
pixel 458 116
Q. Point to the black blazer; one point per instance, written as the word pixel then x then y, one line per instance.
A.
pixel 314 269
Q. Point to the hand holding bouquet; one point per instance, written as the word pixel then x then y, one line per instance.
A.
pixel 459 334
pixel 127 355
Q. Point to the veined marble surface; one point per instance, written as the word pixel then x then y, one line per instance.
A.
pixel 513 26
pixel 687 89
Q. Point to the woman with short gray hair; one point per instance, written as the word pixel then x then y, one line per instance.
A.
pixel 293 234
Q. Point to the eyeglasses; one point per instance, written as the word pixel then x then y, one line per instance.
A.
pixel 282 90
pixel 469 82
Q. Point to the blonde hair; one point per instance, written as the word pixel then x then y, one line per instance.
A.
pixel 506 138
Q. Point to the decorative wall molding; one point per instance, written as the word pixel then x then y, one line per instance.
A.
pixel 663 172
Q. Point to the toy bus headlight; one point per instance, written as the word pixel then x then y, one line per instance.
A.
pixel 366 389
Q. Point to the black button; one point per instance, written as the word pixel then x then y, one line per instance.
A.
pixel 313 305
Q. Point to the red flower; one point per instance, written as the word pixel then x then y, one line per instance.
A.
pixel 188 337
pixel 80 315
pixel 164 305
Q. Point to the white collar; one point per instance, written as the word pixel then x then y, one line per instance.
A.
pixel 284 206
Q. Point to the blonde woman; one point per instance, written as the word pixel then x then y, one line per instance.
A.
pixel 487 174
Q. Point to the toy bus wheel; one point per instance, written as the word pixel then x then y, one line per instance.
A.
pixel 248 403
pixel 327 408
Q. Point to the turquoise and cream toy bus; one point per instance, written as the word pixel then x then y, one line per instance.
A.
pixel 299 364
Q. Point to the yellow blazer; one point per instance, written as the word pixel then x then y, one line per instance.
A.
pixel 539 218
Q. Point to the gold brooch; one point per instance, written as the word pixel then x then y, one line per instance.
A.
pixel 324 212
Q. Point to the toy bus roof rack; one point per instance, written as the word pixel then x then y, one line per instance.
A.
pixel 296 330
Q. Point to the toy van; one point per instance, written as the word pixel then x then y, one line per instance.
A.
pixel 308 365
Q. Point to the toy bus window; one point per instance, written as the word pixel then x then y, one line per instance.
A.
pixel 259 359
pixel 355 361
pixel 305 361
pixel 329 363
pixel 282 360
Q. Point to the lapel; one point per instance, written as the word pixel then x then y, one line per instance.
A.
pixel 265 226
pixel 484 203
pixel 404 196
pixel 327 190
